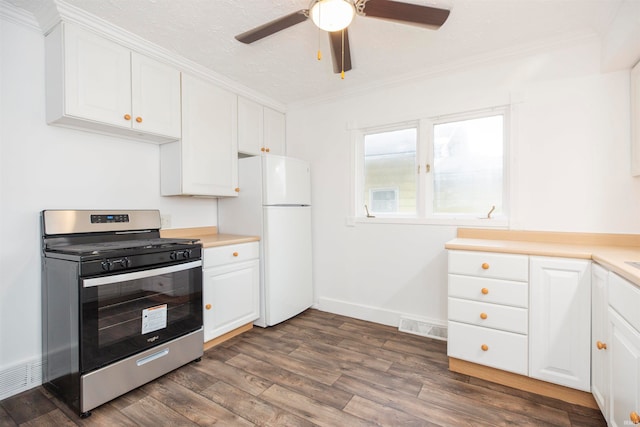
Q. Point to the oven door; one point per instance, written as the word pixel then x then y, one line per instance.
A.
pixel 124 314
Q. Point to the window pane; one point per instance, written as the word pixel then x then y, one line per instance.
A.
pixel 390 172
pixel 468 163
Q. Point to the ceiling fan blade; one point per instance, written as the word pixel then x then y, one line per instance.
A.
pixel 335 40
pixel 273 27
pixel 425 16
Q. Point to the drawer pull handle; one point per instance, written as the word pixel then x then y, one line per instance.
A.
pixel 601 345
pixel 484 291
pixel 485 266
pixel 634 417
pixel 235 254
pixel 208 306
pixel 483 316
pixel 484 347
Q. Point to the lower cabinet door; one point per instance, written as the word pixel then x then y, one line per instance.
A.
pixel 625 372
pixel 489 347
pixel 231 297
pixel 560 321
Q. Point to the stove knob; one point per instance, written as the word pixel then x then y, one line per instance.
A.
pixel 186 254
pixel 173 255
pixel 125 262
pixel 106 265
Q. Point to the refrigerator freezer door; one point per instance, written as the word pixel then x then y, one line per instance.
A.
pixel 286 181
pixel 288 288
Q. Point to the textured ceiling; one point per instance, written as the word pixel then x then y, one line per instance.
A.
pixel 284 66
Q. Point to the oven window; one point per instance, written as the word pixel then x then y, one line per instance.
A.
pixel 126 317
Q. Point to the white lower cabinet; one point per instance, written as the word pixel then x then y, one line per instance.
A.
pixel 560 321
pixel 231 286
pixel 600 339
pixel 488 300
pixel 624 348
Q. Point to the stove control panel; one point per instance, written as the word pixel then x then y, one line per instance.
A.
pixel 107 218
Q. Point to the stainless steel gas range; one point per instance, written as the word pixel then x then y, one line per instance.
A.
pixel 121 306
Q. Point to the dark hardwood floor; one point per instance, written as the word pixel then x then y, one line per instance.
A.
pixel 315 369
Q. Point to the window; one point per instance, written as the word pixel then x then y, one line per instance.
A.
pixel 451 169
pixel 390 182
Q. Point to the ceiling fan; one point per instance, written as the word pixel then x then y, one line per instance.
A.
pixel 334 16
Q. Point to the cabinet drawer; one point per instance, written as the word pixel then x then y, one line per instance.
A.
pixel 223 255
pixel 489 290
pixel 493 265
pixel 511 319
pixel 624 297
pixel 504 350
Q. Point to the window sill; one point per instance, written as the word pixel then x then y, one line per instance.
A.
pixel 457 222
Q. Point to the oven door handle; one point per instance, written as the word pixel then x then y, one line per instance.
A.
pixel 107 280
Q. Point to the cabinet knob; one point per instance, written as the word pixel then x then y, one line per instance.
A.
pixel 262 149
pixel 484 291
pixel 235 254
pixel 483 316
pixel 139 119
pixel 634 417
pixel 208 306
pixel 485 266
pixel 484 347
pixel 127 117
pixel 601 345
pixel 267 150
pixel 237 189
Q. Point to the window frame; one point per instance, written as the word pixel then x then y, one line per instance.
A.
pixel 424 158
pixel 358 136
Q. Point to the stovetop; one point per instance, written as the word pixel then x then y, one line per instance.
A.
pixel 106 248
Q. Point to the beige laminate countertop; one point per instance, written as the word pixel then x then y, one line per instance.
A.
pixel 612 255
pixel 208 236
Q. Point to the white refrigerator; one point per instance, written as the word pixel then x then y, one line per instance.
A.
pixel 274 202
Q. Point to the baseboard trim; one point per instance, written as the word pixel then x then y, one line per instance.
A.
pixel 370 313
pixel 521 382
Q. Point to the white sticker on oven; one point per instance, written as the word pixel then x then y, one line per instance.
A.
pixel 154 318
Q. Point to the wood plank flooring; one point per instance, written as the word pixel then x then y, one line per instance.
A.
pixel 315 369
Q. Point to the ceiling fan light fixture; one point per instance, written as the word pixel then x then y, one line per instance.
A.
pixel 332 15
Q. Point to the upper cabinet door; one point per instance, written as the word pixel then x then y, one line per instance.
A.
pixel 209 139
pixel 97 76
pixel 155 96
pixel 250 125
pixel 274 132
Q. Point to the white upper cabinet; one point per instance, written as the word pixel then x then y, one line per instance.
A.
pixel 274 132
pixel 560 321
pixel 205 161
pixel 95 84
pixel 261 130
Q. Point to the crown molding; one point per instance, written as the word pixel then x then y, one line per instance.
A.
pixel 18 16
pixel 503 55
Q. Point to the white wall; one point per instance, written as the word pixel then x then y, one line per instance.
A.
pixel 569 172
pixel 45 167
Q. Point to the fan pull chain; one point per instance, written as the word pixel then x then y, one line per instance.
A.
pixel 319 55
pixel 342 73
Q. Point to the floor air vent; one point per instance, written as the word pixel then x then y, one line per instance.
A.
pixel 418 327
